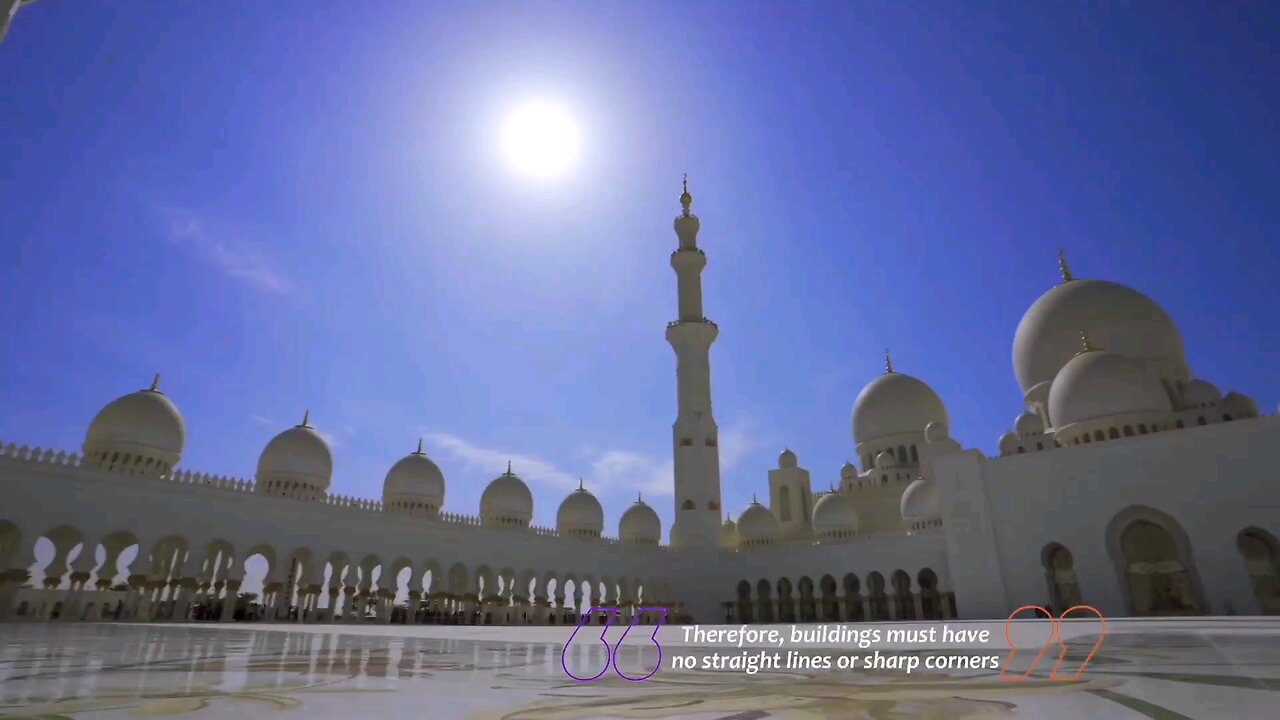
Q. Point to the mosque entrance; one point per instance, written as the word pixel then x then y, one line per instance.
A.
pixel 1060 567
pixel 1262 562
pixel 1159 582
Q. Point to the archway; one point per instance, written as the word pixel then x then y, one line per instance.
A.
pixel 744 602
pixel 1259 549
pixel 1060 571
pixel 1154 562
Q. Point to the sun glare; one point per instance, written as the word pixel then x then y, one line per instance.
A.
pixel 540 140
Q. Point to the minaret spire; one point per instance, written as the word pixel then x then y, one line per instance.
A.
pixel 695 443
pixel 155 384
pixel 1062 266
pixel 888 362
pixel 306 417
pixel 419 451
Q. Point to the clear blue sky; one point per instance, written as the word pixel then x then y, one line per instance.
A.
pixel 299 205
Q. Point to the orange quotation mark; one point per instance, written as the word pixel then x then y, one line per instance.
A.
pixel 1055 633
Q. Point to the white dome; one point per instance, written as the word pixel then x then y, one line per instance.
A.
pixel 1008 443
pixel 935 432
pixel 580 514
pixel 296 462
pixel 920 501
pixel 1199 393
pixel 728 534
pixel 506 501
pixel 414 482
pixel 1240 406
pixel 886 459
pixel 1101 384
pixel 1118 318
pixel 834 513
pixel 787 459
pixel 894 404
pixel 1027 424
pixel 757 525
pixel 640 525
pixel 143 430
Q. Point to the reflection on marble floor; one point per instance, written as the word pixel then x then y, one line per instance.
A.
pixel 1201 670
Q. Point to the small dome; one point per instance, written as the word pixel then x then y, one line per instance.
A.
pixel 848 471
pixel 787 459
pixel 894 404
pixel 834 514
pixel 1239 406
pixel 141 432
pixel 935 432
pixel 1100 384
pixel 506 501
pixel 580 514
pixel 920 501
pixel 1008 443
pixel 756 525
pixel 1199 393
pixel 640 525
pixel 414 483
pixel 1028 424
pixel 728 534
pixel 886 459
pixel 1116 317
pixel 297 462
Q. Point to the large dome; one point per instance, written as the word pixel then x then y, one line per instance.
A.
pixel 580 514
pixel 1099 384
pixel 1116 317
pixel 297 462
pixel 414 484
pixel 756 525
pixel 920 502
pixel 142 430
pixel 507 501
pixel 894 404
pixel 640 525
pixel 833 515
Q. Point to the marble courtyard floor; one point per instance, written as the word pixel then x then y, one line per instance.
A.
pixel 1201 669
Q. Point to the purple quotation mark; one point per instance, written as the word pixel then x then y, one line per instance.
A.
pixel 612 652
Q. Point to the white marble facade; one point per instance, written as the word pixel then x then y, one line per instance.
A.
pixel 1126 484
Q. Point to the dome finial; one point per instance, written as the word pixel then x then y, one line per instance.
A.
pixel 753 499
pixel 580 487
pixel 155 383
pixel 686 199
pixel 306 417
pixel 419 450
pixel 1062 266
pixel 639 497
pixel 888 362
pixel 509 468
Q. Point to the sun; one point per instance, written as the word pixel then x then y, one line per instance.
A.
pixel 540 140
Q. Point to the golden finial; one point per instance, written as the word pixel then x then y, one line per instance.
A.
pixel 509 467
pixel 1062 266
pixel 753 499
pixel 155 383
pixel 686 199
pixel 888 362
pixel 580 487
pixel 419 451
pixel 306 416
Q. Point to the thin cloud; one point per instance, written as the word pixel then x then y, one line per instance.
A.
pixel 233 255
pixel 607 468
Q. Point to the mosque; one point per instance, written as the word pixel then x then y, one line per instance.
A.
pixel 1125 484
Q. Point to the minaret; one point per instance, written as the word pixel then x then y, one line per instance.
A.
pixel 695 441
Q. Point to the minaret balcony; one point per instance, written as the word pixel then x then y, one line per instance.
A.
pixel 677 251
pixel 674 323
